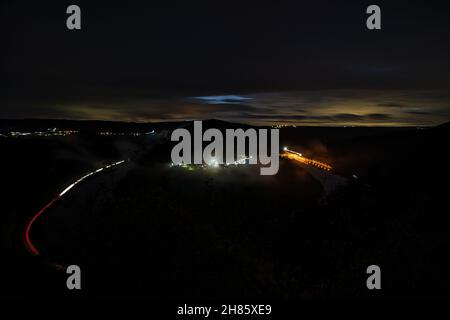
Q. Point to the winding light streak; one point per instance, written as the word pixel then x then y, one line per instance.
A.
pixel 293 155
pixel 28 243
pixel 67 189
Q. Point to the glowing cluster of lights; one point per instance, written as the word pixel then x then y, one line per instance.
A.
pixel 212 163
pixel 242 160
pixel 49 133
pixel 293 155
pixel 134 134
pixel 106 133
pixel 281 126
pixel 286 149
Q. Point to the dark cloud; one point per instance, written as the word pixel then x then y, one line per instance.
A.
pixel 379 116
pixel 347 117
pixel 391 105
pixel 418 112
pixel 336 118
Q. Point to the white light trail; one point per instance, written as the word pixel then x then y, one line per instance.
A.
pixel 67 189
pixel 291 151
pixel 88 175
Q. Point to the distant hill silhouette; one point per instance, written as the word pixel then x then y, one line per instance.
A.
pixel 443 127
pixel 7 125
pixel 113 126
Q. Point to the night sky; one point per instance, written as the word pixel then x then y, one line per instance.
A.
pixel 297 62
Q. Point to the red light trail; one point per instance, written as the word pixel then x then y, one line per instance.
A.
pixel 28 242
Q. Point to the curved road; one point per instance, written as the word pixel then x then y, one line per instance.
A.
pixel 28 242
